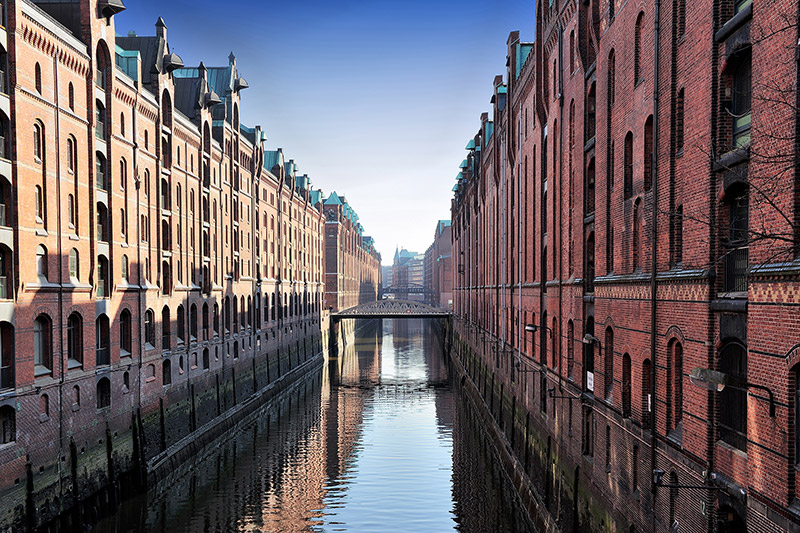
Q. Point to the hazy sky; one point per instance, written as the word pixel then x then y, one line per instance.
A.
pixel 373 99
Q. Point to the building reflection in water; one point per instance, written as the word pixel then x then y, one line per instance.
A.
pixel 376 441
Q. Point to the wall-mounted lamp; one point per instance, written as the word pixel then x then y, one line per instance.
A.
pixel 533 328
pixel 717 381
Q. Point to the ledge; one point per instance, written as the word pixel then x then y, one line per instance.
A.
pixel 734 24
pixel 731 159
pixel 791 269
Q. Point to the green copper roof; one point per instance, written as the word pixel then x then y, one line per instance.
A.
pixel 502 90
pixel 523 51
pixel 463 164
pixel 455 187
pixel 470 145
pixel 333 199
pixel 460 176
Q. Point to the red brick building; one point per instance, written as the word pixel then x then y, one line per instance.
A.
pixel 158 266
pixel 439 266
pixel 352 264
pixel 628 214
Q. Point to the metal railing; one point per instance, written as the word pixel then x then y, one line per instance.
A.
pixel 736 261
pixel 101 233
pixel 6 377
pixel 100 181
pixel 100 78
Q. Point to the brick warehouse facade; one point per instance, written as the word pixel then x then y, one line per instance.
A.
pixel 634 200
pixel 352 264
pixel 159 266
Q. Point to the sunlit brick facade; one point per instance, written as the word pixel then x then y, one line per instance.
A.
pixel 633 198
pixel 352 264
pixel 159 267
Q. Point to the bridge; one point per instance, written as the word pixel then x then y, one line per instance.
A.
pixel 392 308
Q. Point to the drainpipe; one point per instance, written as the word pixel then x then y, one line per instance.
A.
pixel 653 253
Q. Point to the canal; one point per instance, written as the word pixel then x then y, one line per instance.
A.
pixel 379 439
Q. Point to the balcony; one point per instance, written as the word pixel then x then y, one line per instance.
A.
pixel 100 130
pixel 6 377
pixel 5 288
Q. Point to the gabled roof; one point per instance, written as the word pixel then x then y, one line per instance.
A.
pixel 152 50
pixel 523 51
pixel 332 199
pixel 273 158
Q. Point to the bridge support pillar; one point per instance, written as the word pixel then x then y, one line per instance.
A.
pixel 333 338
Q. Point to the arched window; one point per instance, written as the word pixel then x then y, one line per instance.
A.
pixel 570 349
pixel 612 80
pixel 150 329
pixel 71 218
pixel 71 96
pixel 103 350
pixel 193 322
pixel 637 50
pixel 44 406
pixel 794 400
pixel 627 167
pixel 647 393
pixel 74 265
pixel 43 345
pixel 733 400
pixel 590 188
pixel 590 270
pixel 216 319
pixel 122 124
pixel 235 314
pixel 648 153
pixel 636 244
pixel 72 154
pixel 103 278
pixel 181 325
pixel 679 122
pixel 591 112
pixel 38 142
pixel 125 330
pixel 38 78
pixel 608 352
pixel 626 385
pixel 103 393
pixel 166 372
pixel 125 269
pixel 166 109
pixel 100 120
pixel 588 357
pixel 205 322
pixel 742 87
pixel 74 340
pixel 572 52
pixel 8 424
pixel 41 263
pixel 101 177
pixel 675 362
pixel 206 359
pixel 166 278
pixel 165 328
pixel 102 222
pixel 6 356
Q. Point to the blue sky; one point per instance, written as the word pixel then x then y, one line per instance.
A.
pixel 373 99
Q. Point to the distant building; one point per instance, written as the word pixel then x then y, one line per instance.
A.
pixel 408 275
pixel 352 265
pixel 442 265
